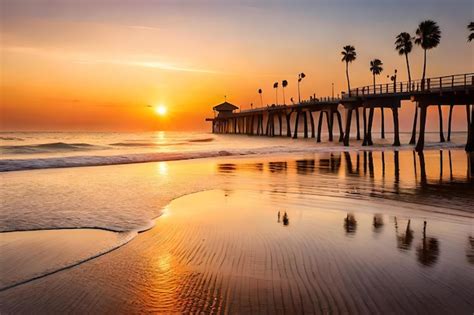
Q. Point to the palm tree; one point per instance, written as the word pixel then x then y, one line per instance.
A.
pixel 284 84
pixel 261 97
pixel 348 55
pixel 301 76
pixel 275 86
pixel 428 36
pixel 404 45
pixel 376 68
pixel 470 27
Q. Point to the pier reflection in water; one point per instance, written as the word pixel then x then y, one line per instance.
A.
pixel 438 177
pixel 332 256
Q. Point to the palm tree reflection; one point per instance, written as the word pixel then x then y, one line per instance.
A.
pixel 470 250
pixel 350 224
pixel 404 240
pixel 377 222
pixel 427 251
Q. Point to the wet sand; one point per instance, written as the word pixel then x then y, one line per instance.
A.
pixel 347 248
pixel 28 255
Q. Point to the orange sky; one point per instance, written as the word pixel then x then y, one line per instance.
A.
pixel 98 65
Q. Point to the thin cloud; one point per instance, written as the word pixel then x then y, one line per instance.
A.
pixel 84 58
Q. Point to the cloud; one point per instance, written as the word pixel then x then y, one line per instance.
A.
pixel 87 58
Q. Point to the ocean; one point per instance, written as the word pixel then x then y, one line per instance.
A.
pixel 196 227
pixel 39 150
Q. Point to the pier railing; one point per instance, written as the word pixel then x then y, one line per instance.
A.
pixel 311 101
pixel 436 84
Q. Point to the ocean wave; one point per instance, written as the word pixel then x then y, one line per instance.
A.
pixel 11 139
pixel 202 140
pixel 48 147
pixel 145 144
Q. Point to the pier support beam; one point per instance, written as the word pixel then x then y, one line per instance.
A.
pixel 470 131
pixel 329 120
pixel 415 119
pixel 280 124
pixel 369 126
pixel 311 119
pixel 295 135
pixel 348 127
pixel 421 137
pixel 441 133
pixel 357 122
pixel 382 120
pixel 288 125
pixel 449 121
pixel 364 121
pixel 396 129
pixel 339 121
pixel 305 127
pixel 320 125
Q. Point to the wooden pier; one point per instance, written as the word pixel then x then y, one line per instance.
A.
pixel 453 90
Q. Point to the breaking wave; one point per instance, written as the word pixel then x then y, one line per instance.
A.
pixel 48 147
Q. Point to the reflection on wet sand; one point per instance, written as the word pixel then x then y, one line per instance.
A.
pixel 428 250
pixel 350 224
pixel 470 249
pixel 220 251
pixel 378 222
pixel 428 177
pixel 405 239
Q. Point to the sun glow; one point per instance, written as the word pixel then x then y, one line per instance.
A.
pixel 161 110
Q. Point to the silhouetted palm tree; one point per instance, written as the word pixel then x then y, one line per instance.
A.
pixel 404 45
pixel 348 55
pixel 470 27
pixel 284 84
pixel 275 86
pixel 301 76
pixel 261 97
pixel 428 36
pixel 376 68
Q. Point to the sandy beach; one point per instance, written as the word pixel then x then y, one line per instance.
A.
pixel 355 240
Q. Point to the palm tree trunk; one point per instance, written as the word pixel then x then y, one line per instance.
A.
pixel 299 97
pixel 348 82
pixel 283 96
pixel 408 68
pixel 374 82
pixel 424 72
pixel 261 100
pixel 276 94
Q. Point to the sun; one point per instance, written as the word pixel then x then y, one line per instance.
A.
pixel 161 110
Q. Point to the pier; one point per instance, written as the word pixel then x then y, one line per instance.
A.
pixel 275 120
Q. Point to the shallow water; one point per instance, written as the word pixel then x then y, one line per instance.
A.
pixel 223 249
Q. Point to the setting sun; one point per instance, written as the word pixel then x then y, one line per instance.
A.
pixel 160 110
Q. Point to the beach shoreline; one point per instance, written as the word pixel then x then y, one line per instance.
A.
pixel 242 174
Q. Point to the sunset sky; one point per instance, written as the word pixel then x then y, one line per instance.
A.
pixel 100 64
